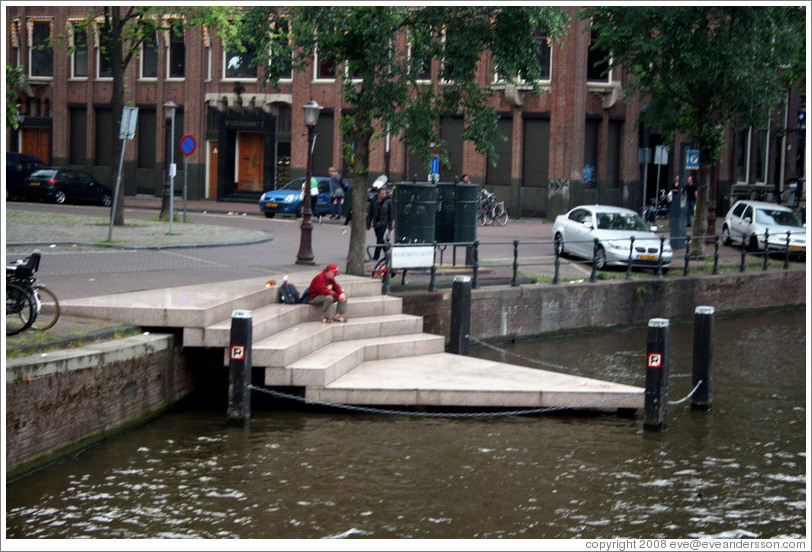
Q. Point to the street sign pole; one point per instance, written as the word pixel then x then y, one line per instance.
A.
pixel 129 118
pixel 187 147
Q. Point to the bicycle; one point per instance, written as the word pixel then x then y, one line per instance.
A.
pixel 46 304
pixel 489 210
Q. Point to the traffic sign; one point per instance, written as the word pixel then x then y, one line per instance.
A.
pixel 187 145
pixel 692 159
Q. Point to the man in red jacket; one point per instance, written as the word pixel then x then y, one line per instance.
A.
pixel 325 292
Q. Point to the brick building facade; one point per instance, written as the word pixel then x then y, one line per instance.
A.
pixel 576 143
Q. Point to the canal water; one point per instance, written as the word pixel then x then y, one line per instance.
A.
pixel 738 471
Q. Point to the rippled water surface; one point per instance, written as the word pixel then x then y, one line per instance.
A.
pixel 737 471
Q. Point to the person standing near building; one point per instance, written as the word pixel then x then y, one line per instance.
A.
pixel 379 217
pixel 690 191
pixel 337 198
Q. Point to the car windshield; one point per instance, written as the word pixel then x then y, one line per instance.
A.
pixel 43 173
pixel 778 217
pixel 295 184
pixel 621 221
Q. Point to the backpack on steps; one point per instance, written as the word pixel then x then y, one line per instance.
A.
pixel 288 294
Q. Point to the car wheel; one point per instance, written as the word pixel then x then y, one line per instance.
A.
pixel 59 197
pixel 106 200
pixel 300 210
pixel 269 215
pixel 559 245
pixel 600 258
pixel 726 235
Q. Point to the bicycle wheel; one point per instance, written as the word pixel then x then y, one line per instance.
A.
pixel 500 214
pixel 481 218
pixel 20 309
pixel 48 309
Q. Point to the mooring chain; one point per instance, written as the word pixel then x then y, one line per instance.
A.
pixel 688 396
pixel 370 410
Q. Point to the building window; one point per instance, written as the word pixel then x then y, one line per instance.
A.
pixel 237 65
pixel 742 153
pixel 149 57
pixel 543 52
pixel 79 49
pixel 176 60
pixel 104 137
pixel 147 131
pixel 761 148
pixel 597 69
pixel 104 57
pixel 326 67
pixel 41 50
pixel 420 64
pixel 78 135
pixel 15 42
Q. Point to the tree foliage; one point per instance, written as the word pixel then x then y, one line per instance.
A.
pixel 13 78
pixel 122 30
pixel 705 67
pixel 381 76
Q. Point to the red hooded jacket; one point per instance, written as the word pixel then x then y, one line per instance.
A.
pixel 321 285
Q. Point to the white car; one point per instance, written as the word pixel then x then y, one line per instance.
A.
pixel 575 233
pixel 750 222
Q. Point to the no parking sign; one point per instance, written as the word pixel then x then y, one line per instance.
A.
pixel 188 145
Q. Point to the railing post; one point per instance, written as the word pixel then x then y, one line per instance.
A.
pixel 514 280
pixel 593 276
pixel 703 357
pixel 786 252
pixel 716 254
pixel 433 278
pixel 239 372
pixel 475 283
pixel 766 250
pixel 744 253
pixel 460 316
pixel 687 255
pixel 631 252
pixel 660 258
pixel 557 261
pixel 656 395
pixel 387 254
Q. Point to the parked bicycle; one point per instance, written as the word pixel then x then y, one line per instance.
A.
pixel 29 303
pixel 489 210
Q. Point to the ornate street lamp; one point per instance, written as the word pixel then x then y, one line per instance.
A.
pixel 305 255
pixel 169 113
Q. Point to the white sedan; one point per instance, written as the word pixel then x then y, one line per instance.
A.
pixel 750 222
pixel 575 233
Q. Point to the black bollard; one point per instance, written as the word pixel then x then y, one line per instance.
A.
pixel 703 358
pixel 656 399
pixel 239 372
pixel 460 316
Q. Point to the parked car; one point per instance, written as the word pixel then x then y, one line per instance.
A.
pixel 750 222
pixel 61 185
pixel 288 198
pixel 19 166
pixel 575 231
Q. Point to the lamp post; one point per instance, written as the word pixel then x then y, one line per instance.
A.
pixel 169 113
pixel 305 255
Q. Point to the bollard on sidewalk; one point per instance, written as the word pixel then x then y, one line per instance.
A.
pixel 460 316
pixel 703 358
pixel 656 397
pixel 239 371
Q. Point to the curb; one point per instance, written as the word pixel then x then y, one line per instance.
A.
pixel 140 247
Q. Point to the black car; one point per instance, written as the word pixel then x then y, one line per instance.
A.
pixel 68 185
pixel 19 166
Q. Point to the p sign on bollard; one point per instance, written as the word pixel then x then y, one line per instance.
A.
pixel 656 397
pixel 239 371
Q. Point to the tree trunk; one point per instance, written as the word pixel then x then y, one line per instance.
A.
pixel 700 226
pixel 358 232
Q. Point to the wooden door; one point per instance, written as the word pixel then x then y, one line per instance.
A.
pixel 251 161
pixel 37 142
pixel 214 165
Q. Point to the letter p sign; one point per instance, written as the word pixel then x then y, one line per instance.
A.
pixel 655 360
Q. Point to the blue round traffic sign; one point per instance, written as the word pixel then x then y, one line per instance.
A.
pixel 187 145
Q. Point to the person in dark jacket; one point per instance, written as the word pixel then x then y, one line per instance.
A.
pixel 379 217
pixel 326 292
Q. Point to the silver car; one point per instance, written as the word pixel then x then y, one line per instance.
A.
pixel 575 233
pixel 760 225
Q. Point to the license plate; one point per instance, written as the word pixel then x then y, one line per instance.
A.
pixel 270 205
pixel 796 248
pixel 34 183
pixel 648 257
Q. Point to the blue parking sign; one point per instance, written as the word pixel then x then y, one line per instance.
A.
pixel 692 159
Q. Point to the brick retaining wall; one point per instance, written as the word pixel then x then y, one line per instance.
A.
pixel 530 309
pixel 63 401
